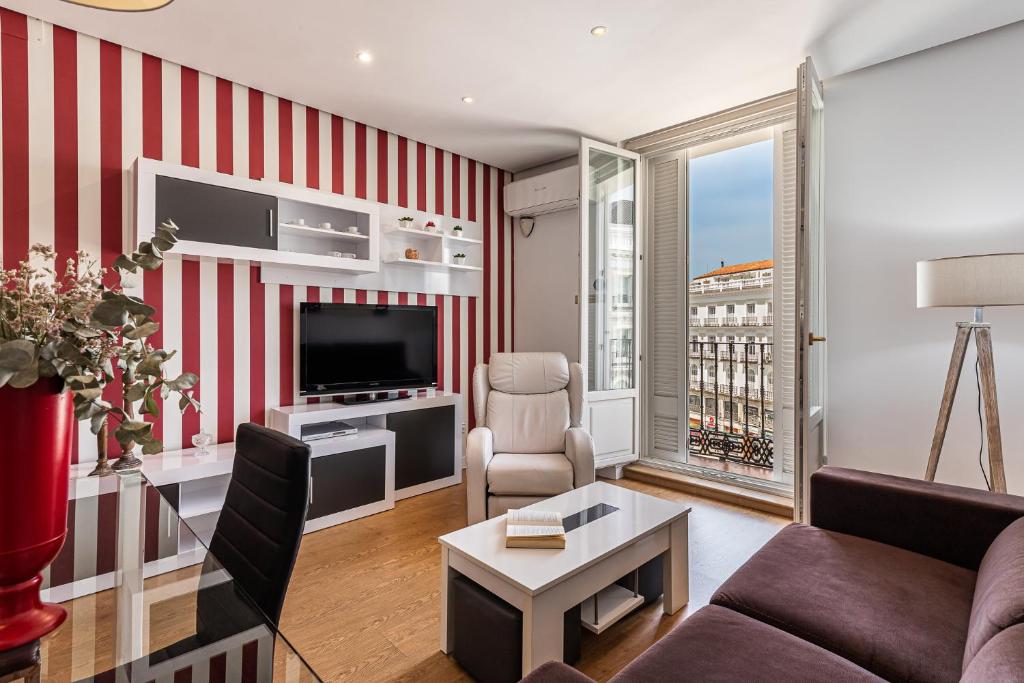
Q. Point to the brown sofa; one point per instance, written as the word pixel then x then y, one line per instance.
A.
pixel 895 580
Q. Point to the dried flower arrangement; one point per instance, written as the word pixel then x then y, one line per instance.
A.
pixel 78 326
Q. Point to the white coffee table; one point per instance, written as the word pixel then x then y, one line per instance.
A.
pixel 543 584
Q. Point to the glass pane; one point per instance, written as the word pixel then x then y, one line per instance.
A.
pixel 610 301
pixel 146 599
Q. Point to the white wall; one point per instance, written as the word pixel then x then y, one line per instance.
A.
pixel 924 158
pixel 547 280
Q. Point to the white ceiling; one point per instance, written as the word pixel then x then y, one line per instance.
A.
pixel 539 78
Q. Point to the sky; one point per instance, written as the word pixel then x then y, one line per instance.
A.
pixel 731 207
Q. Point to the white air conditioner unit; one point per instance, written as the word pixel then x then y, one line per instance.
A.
pixel 545 193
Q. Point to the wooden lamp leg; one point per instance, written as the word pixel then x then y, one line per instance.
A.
pixel 956 364
pixel 983 338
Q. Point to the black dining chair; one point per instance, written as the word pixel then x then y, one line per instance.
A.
pixel 256 538
pixel 260 526
pixel 255 543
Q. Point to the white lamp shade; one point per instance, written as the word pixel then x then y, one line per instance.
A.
pixel 122 5
pixel 973 281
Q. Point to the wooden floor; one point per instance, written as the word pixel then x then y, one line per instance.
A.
pixel 363 604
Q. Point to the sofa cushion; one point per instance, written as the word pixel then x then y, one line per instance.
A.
pixel 528 372
pixel 898 614
pixel 718 644
pixel 1000 659
pixel 529 474
pixel 528 424
pixel 999 593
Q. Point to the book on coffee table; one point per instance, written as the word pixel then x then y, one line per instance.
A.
pixel 534 529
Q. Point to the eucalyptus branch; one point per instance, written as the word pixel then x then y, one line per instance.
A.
pixel 75 327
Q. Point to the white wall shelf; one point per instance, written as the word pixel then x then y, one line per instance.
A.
pixel 466 240
pixel 432 264
pixel 416 233
pixel 402 261
pixel 322 233
pixel 301 254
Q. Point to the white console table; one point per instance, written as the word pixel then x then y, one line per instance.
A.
pixel 403 448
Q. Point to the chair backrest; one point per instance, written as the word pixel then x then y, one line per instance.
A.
pixel 260 526
pixel 528 400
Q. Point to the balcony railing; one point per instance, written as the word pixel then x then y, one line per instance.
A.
pixel 733 321
pixel 620 363
pixel 740 427
pixel 705 286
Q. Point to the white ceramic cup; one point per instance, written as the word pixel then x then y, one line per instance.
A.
pixel 354 229
pixel 300 221
pixel 325 226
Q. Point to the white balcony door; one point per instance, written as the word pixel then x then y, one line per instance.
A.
pixel 609 210
pixel 810 386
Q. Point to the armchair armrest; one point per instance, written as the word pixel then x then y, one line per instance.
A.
pixel 951 523
pixel 479 451
pixel 579 449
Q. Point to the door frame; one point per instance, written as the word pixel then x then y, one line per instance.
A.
pixel 591 397
pixel 809 449
pixel 775 112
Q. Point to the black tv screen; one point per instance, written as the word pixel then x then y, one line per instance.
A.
pixel 352 348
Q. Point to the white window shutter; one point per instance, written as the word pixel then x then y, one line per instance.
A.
pixel 666 278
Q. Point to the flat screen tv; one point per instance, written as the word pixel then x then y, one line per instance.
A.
pixel 356 348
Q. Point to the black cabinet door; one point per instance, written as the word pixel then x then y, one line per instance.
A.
pixel 424 445
pixel 347 480
pixel 221 215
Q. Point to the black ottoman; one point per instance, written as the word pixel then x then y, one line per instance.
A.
pixel 651 580
pixel 488 634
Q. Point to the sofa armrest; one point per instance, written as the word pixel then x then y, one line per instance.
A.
pixel 479 451
pixel 556 672
pixel 579 449
pixel 951 523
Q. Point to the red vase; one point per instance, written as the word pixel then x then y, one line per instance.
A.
pixel 36 428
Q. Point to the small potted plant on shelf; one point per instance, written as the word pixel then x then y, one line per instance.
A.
pixel 405 222
pixel 459 259
pixel 430 226
pixel 457 231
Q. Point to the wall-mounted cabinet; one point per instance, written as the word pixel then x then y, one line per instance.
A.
pixel 225 216
pixel 304 236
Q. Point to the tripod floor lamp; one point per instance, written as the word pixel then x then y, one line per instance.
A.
pixel 972 282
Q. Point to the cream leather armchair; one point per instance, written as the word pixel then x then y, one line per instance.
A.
pixel 528 444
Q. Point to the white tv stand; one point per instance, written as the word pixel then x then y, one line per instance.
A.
pixel 426 428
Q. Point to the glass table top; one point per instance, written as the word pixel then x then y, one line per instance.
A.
pixel 147 600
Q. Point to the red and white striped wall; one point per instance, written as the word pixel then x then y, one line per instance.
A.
pixel 75 112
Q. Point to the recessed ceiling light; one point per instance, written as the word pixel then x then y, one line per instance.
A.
pixel 598 31
pixel 364 57
pixel 467 99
